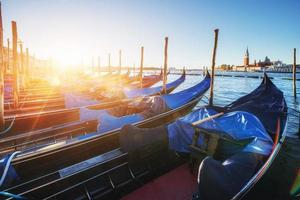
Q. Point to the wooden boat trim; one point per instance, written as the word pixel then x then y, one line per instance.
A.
pixel 107 163
pixel 67 129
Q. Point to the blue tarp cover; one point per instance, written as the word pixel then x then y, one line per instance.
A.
pixel 238 125
pixel 180 98
pixel 266 102
pixel 151 105
pixel 154 105
pixel 222 180
pixel 108 122
pixel 133 93
pixel 252 116
pixel 74 101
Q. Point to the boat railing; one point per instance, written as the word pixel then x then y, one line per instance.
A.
pixel 49 135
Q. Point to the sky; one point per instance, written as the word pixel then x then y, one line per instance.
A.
pixel 74 31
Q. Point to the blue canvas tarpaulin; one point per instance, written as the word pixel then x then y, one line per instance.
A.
pixel 223 180
pixel 148 107
pixel 238 125
pixel 74 100
pixel 133 93
pixel 181 98
pixel 266 102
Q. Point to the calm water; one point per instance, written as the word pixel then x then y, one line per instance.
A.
pixel 280 179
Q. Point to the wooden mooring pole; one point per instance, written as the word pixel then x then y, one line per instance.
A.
pixel 93 67
pixel 294 74
pixel 165 65
pixel 109 67
pixel 22 70
pixel 27 68
pixel 15 64
pixel 120 60
pixel 141 67
pixel 8 56
pixel 2 69
pixel 33 65
pixel 99 65
pixel 213 68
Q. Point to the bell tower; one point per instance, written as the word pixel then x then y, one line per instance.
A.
pixel 246 58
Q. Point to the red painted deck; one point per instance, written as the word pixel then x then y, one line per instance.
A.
pixel 178 184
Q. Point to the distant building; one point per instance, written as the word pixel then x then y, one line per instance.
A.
pixel 261 65
pixel 225 67
pixel 265 64
pixel 246 58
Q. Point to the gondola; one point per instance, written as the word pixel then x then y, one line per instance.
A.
pixel 148 81
pixel 82 148
pixel 113 174
pixel 21 124
pixel 53 99
pixel 235 145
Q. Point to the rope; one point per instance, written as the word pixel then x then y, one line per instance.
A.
pixel 14 119
pixel 293 109
pixel 7 194
pixel 25 98
pixel 10 126
pixel 293 114
pixel 7 165
pixel 202 100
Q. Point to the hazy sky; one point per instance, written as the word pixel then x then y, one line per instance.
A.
pixel 76 30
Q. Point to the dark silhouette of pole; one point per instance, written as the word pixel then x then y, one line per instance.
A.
pixel 294 74
pixel 141 67
pixel 33 64
pixel 109 67
pixel 93 67
pixel 165 65
pixel 2 122
pixel 8 60
pixel 22 71
pixel 27 66
pixel 15 64
pixel 213 68
pixel 120 60
pixel 99 65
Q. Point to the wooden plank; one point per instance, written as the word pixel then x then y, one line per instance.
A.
pixel 207 119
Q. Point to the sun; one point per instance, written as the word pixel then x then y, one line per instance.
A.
pixel 67 57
